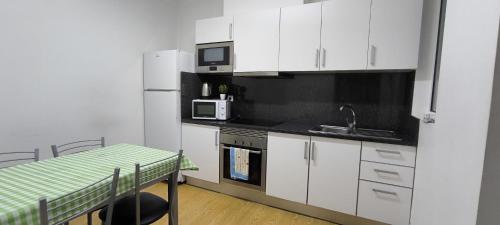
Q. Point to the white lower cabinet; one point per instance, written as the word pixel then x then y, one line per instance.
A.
pixel 201 145
pixel 333 174
pixel 384 203
pixel 287 166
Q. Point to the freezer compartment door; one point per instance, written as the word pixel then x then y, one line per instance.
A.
pixel 162 120
pixel 160 71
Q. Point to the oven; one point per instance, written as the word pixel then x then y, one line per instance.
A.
pixel 255 143
pixel 214 58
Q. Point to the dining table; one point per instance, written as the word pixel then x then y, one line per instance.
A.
pixel 22 186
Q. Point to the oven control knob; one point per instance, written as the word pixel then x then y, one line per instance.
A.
pixel 235 142
pixel 242 143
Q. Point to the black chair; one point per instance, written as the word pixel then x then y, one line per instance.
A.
pixel 150 207
pixel 61 210
pixel 77 146
pixel 14 157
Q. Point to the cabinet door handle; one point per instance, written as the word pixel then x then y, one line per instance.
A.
pixel 385 192
pixel 317 58
pixel 388 152
pixel 230 31
pixel 216 138
pixel 373 55
pixel 313 151
pixel 385 171
pixel 324 57
pixel 306 150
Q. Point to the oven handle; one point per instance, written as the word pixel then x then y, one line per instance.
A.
pixel 253 152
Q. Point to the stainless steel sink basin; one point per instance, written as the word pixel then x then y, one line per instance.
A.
pixel 360 132
pixel 326 129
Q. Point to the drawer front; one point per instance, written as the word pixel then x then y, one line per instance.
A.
pixel 384 203
pixel 391 154
pixel 389 174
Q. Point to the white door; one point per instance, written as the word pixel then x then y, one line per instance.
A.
pixel 287 166
pixel 201 145
pixel 162 123
pixel 256 41
pixel 160 70
pixel 211 30
pixel 344 34
pixel 395 34
pixel 300 31
pixel 333 174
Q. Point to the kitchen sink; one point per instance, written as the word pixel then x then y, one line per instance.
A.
pixel 360 132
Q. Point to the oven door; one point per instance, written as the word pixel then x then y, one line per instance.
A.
pixel 204 110
pixel 214 58
pixel 256 168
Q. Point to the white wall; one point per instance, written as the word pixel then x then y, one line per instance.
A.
pixel 234 7
pixel 189 11
pixel 451 152
pixel 73 69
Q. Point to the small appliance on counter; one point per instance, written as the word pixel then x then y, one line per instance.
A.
pixel 206 90
pixel 211 109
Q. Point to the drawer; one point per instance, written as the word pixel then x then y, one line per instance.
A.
pixel 389 174
pixel 391 154
pixel 384 203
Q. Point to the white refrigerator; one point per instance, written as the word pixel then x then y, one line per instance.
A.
pixel 162 85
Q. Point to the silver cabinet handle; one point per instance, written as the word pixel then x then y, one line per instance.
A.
pixel 385 192
pixel 373 55
pixel 306 150
pixel 388 152
pixel 317 58
pixel 313 150
pixel 216 138
pixel 230 31
pixel 385 171
pixel 324 57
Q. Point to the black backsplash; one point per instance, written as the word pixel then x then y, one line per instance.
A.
pixel 381 100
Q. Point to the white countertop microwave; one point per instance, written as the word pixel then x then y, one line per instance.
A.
pixel 211 109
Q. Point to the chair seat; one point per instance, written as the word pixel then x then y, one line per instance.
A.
pixel 152 209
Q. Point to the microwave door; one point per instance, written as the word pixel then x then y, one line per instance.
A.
pixel 204 110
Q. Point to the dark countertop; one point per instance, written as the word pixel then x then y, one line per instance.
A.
pixel 301 128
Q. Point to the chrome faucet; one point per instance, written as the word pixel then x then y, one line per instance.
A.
pixel 351 125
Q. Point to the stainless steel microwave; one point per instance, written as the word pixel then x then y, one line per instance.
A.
pixel 214 57
pixel 211 109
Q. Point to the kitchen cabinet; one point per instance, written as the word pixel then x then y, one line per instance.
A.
pixel 394 34
pixel 201 144
pixel 219 29
pixel 384 203
pixel 256 42
pixel 287 166
pixel 344 34
pixel 300 37
pixel 333 174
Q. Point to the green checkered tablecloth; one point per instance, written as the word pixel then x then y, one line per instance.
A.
pixel 22 186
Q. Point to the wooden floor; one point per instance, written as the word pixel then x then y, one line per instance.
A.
pixel 202 207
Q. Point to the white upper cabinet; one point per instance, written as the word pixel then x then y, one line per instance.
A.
pixel 394 34
pixel 333 174
pixel 211 30
pixel 256 41
pixel 287 166
pixel 344 34
pixel 300 37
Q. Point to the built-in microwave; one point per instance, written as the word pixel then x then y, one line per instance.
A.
pixel 214 57
pixel 211 109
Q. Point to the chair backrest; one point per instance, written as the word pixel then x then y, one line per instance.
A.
pixel 9 158
pixel 77 146
pixel 151 173
pixel 68 207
